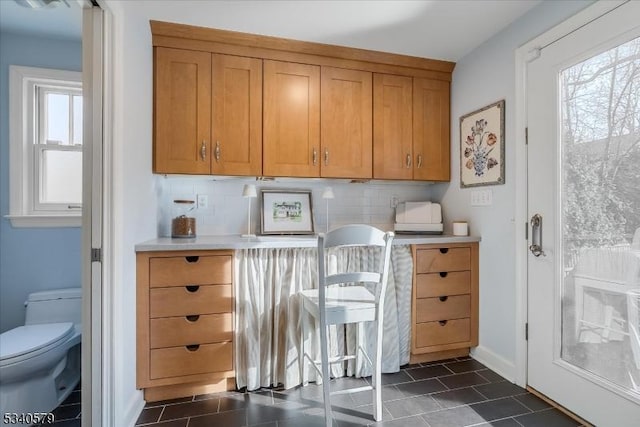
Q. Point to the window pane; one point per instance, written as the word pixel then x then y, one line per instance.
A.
pixel 601 214
pixel 61 177
pixel 57 118
pixel 77 120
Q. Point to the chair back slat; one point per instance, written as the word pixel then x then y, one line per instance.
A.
pixel 357 277
pixel 354 235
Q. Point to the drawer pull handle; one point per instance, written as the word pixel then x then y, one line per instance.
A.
pixel 443 299
pixel 442 322
pixel 192 288
pixel 443 274
pixel 444 250
pixel 193 317
pixel 192 259
pixel 193 347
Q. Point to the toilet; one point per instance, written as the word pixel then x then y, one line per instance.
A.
pixel 40 361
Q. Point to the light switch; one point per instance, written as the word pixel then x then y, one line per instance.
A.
pixel 481 198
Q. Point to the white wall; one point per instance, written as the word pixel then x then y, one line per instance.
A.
pixel 484 76
pixel 227 211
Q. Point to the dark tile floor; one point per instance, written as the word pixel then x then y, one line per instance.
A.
pixel 68 413
pixel 451 393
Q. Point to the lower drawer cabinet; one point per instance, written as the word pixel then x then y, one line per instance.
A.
pixel 443 308
pixel 185 323
pixel 443 332
pixel 444 301
pixel 190 360
pixel 193 329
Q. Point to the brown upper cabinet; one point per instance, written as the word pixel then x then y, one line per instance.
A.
pixel 230 103
pixel 410 128
pixel 291 119
pixel 237 116
pixel 392 127
pixel 346 115
pixel 431 144
pixel 182 122
pixel 208 113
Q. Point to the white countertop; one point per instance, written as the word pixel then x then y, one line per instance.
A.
pixel 269 242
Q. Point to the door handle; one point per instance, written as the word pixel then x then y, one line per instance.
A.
pixel 408 162
pixel 536 236
pixel 326 157
pixel 217 151
pixel 315 157
pixel 203 150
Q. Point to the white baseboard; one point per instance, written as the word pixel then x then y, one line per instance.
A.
pixel 494 362
pixel 134 410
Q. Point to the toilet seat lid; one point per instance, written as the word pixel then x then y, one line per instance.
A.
pixel 29 338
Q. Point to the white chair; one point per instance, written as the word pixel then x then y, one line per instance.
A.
pixel 342 298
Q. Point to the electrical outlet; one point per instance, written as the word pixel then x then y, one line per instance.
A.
pixel 393 202
pixel 203 201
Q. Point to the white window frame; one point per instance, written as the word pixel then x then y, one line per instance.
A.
pixel 24 209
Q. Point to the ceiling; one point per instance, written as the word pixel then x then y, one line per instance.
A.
pixel 441 29
pixel 59 22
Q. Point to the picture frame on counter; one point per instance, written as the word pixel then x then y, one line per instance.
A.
pixel 482 146
pixel 285 212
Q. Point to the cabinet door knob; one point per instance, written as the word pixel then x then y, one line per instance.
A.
pixel 217 151
pixel 193 347
pixel 442 322
pixel 192 288
pixel 443 299
pixel 315 157
pixel 408 162
pixel 443 274
pixel 419 160
pixel 203 150
pixel 326 156
pixel 193 318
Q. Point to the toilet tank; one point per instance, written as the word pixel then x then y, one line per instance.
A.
pixel 55 306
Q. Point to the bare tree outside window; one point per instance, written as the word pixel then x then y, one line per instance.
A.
pixel 601 149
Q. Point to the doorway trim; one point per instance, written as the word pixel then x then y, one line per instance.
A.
pixel 525 54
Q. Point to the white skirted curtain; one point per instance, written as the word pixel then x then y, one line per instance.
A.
pixel 267 333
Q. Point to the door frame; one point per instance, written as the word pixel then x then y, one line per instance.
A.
pixel 97 357
pixel 525 54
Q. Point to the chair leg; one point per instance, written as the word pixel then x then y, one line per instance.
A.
pixel 304 319
pixel 377 377
pixel 358 361
pixel 326 379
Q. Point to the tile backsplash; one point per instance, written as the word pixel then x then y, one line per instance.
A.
pixel 226 214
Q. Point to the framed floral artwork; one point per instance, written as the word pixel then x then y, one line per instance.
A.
pixel 482 146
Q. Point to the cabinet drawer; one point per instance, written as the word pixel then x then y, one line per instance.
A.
pixel 178 361
pixel 444 332
pixel 443 308
pixel 445 283
pixel 190 270
pixel 444 259
pixel 188 330
pixel 188 300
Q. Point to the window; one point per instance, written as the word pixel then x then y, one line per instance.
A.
pixel 45 124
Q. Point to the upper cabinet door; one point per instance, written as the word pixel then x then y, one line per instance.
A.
pixel 392 127
pixel 431 130
pixel 182 120
pixel 291 142
pixel 346 129
pixel 237 116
